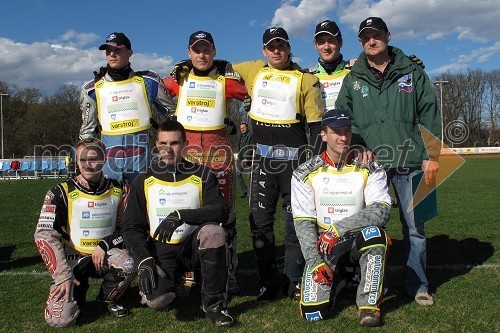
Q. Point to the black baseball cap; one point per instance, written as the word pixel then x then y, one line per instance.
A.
pixel 327 27
pixel 116 39
pixel 200 36
pixel 274 33
pixel 375 23
pixel 336 118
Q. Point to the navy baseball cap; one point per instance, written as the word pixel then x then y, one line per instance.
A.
pixel 116 39
pixel 375 23
pixel 200 36
pixel 274 33
pixel 327 27
pixel 336 118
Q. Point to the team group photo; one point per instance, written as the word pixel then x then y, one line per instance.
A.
pixel 265 193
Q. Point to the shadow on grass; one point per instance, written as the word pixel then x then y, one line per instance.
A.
pixel 446 259
pixel 6 263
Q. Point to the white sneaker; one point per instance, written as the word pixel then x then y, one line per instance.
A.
pixel 423 298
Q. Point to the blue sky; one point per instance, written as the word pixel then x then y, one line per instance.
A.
pixel 48 43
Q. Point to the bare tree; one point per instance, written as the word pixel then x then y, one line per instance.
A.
pixel 492 105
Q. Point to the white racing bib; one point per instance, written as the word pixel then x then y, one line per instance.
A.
pixel 330 88
pixel 164 197
pixel 338 194
pixel 202 103
pixel 123 106
pixel 276 96
pixel 91 217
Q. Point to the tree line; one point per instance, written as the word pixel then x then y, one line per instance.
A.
pixel 470 101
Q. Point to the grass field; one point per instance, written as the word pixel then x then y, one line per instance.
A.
pixel 464 270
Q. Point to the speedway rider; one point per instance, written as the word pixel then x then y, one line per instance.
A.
pixel 203 88
pixel 120 104
pixel 172 223
pixel 340 207
pixel 285 102
pixel 331 67
pixel 78 237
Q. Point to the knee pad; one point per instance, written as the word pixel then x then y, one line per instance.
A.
pixel 371 236
pixel 61 314
pixel 121 261
pixel 211 236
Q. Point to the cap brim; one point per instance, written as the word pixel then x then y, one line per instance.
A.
pixel 337 123
pixel 360 31
pixel 202 40
pixel 269 41
pixel 326 32
pixel 106 45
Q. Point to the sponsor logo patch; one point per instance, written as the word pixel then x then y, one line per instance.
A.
pixel 370 232
pixel 49 208
pixel 118 125
pixel 313 316
pixel 89 242
pixel 405 83
pixel 373 277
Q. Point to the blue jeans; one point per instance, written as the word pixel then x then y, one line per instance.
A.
pixel 413 235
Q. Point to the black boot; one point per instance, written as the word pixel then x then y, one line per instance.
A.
pixel 214 274
pixel 116 310
pixel 219 316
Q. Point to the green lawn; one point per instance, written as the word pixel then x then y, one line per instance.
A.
pixel 464 270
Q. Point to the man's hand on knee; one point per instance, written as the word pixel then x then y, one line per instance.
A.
pixel 148 273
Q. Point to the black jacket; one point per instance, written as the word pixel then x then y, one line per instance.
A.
pixel 136 227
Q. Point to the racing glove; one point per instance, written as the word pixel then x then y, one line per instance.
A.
pixel 322 274
pixel 181 70
pixel 148 273
pixel 247 103
pixel 167 227
pixel 327 241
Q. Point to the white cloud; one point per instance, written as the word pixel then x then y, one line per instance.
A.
pixel 431 19
pixel 75 39
pixel 47 66
pixel 407 19
pixel 463 61
pixel 298 19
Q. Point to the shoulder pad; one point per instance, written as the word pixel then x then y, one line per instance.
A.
pixel 89 85
pixel 350 63
pixel 229 72
pixel 303 170
pixel 313 70
pixel 148 74
pixel 375 166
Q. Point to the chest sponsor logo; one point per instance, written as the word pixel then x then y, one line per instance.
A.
pixel 89 242
pixel 200 102
pixel 124 124
pixel 97 204
pixel 119 98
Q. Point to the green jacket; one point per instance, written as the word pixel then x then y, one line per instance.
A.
pixel 388 118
